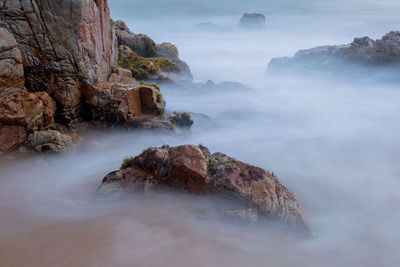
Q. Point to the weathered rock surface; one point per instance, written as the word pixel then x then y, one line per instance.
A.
pixel 141 44
pixel 58 64
pixel 21 112
pixel 252 20
pixel 65 45
pixel 11 68
pixel 194 169
pixel 362 52
pixel 53 141
pixel 148 60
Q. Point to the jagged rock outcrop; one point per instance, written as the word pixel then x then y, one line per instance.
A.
pixel 21 112
pixel 151 69
pixel 141 44
pixel 66 46
pixel 252 20
pixel 194 169
pixel 148 60
pixel 11 68
pixel 58 64
pixel 362 52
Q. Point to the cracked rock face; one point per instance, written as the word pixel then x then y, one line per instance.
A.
pixel 11 69
pixel 194 169
pixel 65 45
pixel 21 112
pixel 58 63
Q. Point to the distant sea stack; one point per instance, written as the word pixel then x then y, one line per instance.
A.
pixel 252 20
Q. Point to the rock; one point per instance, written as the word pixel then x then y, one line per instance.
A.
pixel 141 44
pixel 12 137
pixel 65 46
pixel 154 123
pixel 52 141
pixel 170 51
pixel 188 169
pixel 252 20
pixel 155 69
pixel 148 61
pixel 21 112
pixel 125 104
pixel 182 119
pixel 362 52
pixel 11 68
pixel 58 64
pixel 194 169
pixel 48 109
pixel 167 50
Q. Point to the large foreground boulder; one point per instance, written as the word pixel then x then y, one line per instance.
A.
pixel 363 53
pixel 194 169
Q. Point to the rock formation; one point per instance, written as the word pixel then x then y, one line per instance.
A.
pixel 22 113
pixel 148 60
pixel 67 47
pixel 362 52
pixel 58 65
pixel 194 169
pixel 252 20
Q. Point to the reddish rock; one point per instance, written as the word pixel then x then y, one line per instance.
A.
pixel 48 109
pixel 22 109
pixel 188 169
pixel 11 69
pixel 11 137
pixel 123 103
pixel 65 46
pixel 193 169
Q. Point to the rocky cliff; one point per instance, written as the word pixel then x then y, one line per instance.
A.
pixel 58 64
pixel 67 46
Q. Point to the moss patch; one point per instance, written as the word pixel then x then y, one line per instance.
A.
pixel 159 98
pixel 126 163
pixel 143 68
pixel 151 84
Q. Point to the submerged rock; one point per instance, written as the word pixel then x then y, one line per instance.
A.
pixel 182 119
pixel 252 20
pixel 362 52
pixel 194 169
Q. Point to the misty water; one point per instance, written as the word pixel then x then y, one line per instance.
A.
pixel 334 143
